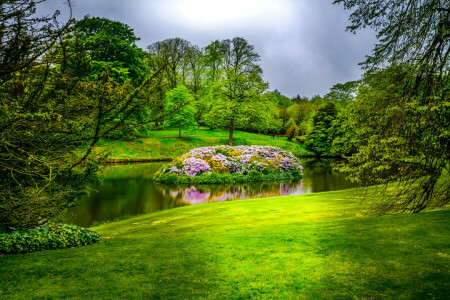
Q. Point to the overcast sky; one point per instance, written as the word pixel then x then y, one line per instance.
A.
pixel 303 44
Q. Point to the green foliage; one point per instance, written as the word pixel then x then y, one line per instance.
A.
pixel 182 112
pixel 407 143
pixel 51 118
pixel 291 132
pixel 172 55
pixel 238 84
pixel 109 45
pixel 342 94
pixel 401 118
pixel 220 178
pixel 172 178
pixel 409 32
pixel 321 137
pixel 290 123
pixel 53 236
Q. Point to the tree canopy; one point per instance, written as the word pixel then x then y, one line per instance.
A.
pixel 179 100
pixel 51 118
pixel 402 112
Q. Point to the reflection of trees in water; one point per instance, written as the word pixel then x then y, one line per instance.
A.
pixel 185 195
pixel 134 171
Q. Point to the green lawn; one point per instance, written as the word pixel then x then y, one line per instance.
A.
pixel 309 246
pixel 165 143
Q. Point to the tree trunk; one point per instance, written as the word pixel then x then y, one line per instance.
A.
pixel 230 137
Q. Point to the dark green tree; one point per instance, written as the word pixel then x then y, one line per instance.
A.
pixel 109 45
pixel 402 111
pixel 321 137
pixel 342 93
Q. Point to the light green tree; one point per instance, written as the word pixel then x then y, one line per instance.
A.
pixel 239 87
pixel 179 101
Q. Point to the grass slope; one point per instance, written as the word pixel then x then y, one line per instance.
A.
pixel 165 143
pixel 308 246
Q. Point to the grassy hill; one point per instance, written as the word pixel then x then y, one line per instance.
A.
pixel 309 246
pixel 165 143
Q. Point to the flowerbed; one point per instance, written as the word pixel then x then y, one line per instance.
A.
pixel 227 164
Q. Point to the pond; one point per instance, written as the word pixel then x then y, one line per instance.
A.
pixel 129 190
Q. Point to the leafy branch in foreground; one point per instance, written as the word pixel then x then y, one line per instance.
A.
pixel 402 112
pixel 50 121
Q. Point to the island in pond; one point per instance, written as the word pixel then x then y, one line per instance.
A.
pixel 228 164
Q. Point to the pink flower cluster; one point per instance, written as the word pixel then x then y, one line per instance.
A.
pixel 238 159
pixel 193 166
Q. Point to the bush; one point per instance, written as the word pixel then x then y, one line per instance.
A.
pixel 171 178
pixel 291 132
pixel 255 176
pixel 300 139
pixel 222 178
pixel 53 236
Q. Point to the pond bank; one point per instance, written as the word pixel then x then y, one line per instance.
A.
pixel 137 160
pixel 169 159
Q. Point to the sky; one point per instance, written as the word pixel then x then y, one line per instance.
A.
pixel 303 45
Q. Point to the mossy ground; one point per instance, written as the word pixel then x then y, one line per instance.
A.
pixel 314 246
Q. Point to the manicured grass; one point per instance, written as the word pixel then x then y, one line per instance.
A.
pixel 165 143
pixel 309 246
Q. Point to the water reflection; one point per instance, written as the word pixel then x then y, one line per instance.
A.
pixel 184 195
pixel 129 190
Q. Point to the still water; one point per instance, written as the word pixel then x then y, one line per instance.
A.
pixel 129 190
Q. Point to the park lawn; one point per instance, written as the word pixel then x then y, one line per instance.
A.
pixel 167 144
pixel 308 246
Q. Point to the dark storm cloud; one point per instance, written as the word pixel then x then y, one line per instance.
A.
pixel 303 44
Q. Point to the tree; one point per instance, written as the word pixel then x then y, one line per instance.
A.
pixel 110 45
pixel 403 109
pixel 24 36
pixel 179 100
pixel 291 132
pixel 172 53
pixel 321 137
pixel 409 32
pixel 51 119
pixel 239 87
pixel 342 94
pixel 290 123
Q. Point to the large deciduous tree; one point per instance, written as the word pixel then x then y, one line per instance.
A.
pixel 403 112
pixel 239 86
pixel 172 53
pixel 111 46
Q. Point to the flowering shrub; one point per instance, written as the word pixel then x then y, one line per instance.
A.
pixel 257 163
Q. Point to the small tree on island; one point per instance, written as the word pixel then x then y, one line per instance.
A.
pixel 180 101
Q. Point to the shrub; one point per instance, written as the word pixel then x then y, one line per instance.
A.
pixel 255 176
pixel 53 236
pixel 291 132
pixel 226 164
